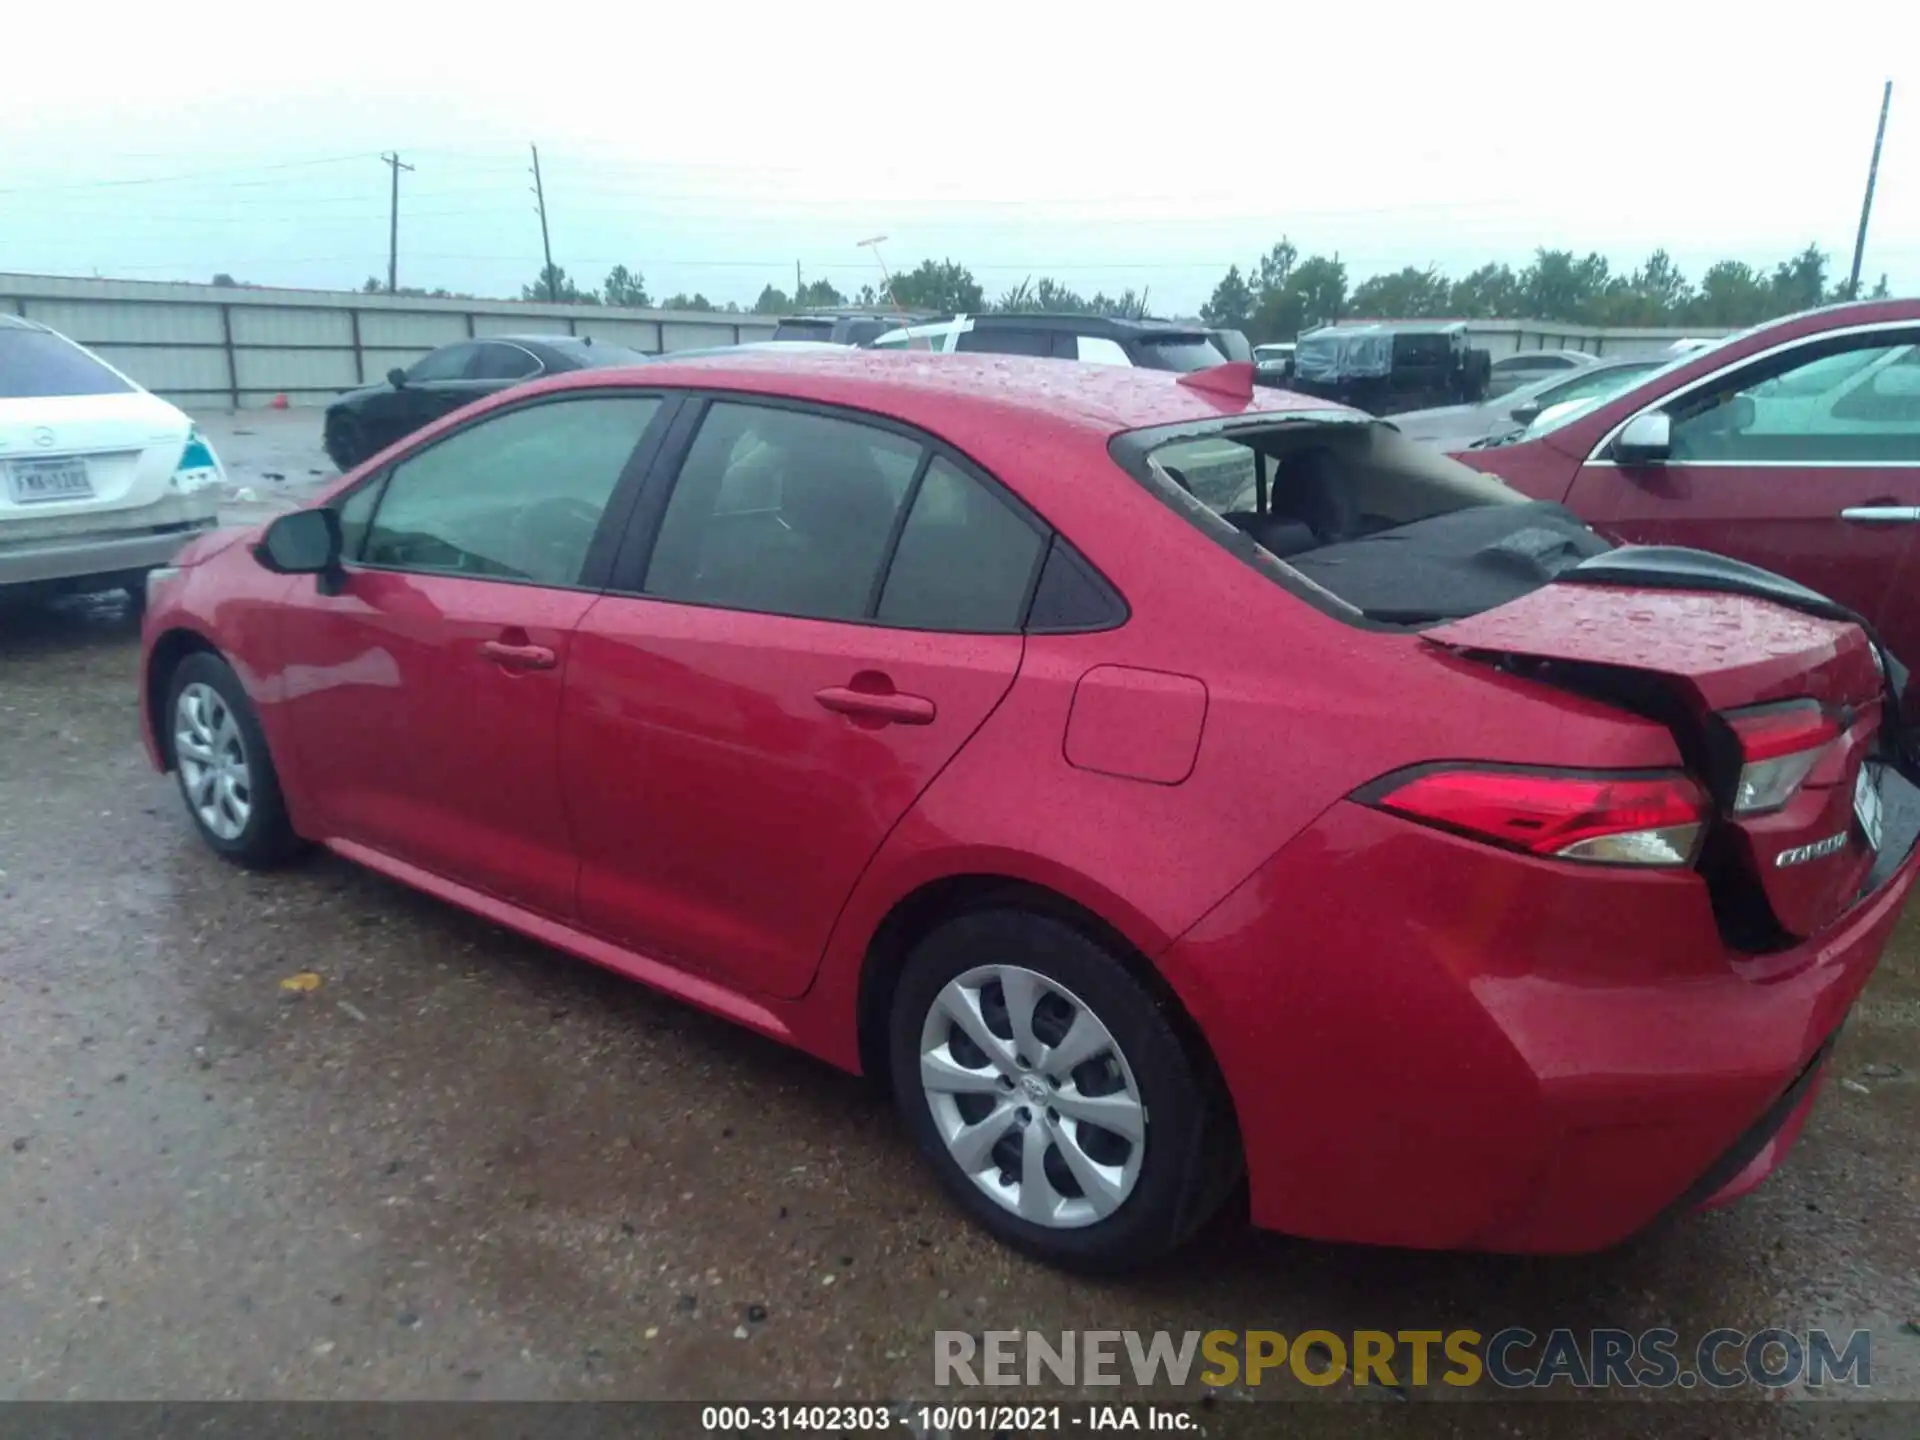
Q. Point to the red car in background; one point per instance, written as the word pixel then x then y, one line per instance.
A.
pixel 1794 446
pixel 1157 780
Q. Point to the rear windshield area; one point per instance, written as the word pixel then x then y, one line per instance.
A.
pixel 599 355
pixel 1184 353
pixel 1357 519
pixel 37 364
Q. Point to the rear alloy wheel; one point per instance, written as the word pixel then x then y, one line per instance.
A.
pixel 220 755
pixel 1032 1096
pixel 1046 1086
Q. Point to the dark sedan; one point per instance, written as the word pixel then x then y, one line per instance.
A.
pixel 374 416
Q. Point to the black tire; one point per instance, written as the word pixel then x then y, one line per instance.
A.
pixel 346 443
pixel 1191 1156
pixel 267 838
pixel 134 585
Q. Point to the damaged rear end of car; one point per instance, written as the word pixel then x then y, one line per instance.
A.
pixel 1777 702
pixel 1628 918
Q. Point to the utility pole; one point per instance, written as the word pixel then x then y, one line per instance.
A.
pixel 392 160
pixel 1866 205
pixel 546 249
pixel 873 242
pixel 797 287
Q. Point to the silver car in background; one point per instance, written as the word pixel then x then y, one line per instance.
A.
pixel 1511 372
pixel 1460 427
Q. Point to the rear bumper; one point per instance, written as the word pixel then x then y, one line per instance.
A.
pixel 73 557
pixel 1453 1047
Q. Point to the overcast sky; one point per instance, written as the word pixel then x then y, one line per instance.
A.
pixel 710 146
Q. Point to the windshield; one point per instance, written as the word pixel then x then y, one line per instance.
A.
pixel 803 330
pixel 37 364
pixel 1607 380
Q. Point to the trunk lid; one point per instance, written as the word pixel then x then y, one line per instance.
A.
pixel 68 456
pixel 1692 659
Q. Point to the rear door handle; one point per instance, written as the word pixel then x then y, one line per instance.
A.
pixel 518 657
pixel 1882 514
pixel 865 705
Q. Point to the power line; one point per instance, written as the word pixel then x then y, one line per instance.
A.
pixel 172 179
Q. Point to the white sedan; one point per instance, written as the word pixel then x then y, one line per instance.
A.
pixel 100 481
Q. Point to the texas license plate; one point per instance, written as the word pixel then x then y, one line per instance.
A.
pixel 1866 804
pixel 31 482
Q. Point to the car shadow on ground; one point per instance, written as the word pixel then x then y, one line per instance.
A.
pixel 35 626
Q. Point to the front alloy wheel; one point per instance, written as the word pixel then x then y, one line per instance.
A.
pixel 212 754
pixel 225 770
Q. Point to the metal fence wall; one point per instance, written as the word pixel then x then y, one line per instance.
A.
pixel 234 347
pixel 211 346
pixel 1508 337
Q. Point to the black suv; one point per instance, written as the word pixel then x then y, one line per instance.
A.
pixel 1148 344
pixel 839 328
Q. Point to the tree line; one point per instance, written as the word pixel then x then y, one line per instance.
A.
pixel 1283 294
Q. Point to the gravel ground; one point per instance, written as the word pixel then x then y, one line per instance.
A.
pixel 468 1167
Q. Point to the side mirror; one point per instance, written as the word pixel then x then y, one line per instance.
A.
pixel 397 377
pixel 1647 439
pixel 1525 414
pixel 304 542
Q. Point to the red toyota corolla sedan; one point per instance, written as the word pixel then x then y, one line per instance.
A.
pixel 1157 780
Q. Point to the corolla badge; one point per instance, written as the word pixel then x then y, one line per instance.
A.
pixel 1818 850
pixel 43 437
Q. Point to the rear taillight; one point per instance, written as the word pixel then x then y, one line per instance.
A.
pixel 1604 819
pixel 1779 746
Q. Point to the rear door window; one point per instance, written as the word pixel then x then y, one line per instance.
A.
pixel 447 363
pixel 37 364
pixel 1006 340
pixel 782 512
pixel 504 362
pixel 1184 353
pixel 965 561
pixel 1099 350
pixel 935 339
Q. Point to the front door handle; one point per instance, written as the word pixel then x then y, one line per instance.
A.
pixel 890 707
pixel 1882 514
pixel 518 657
